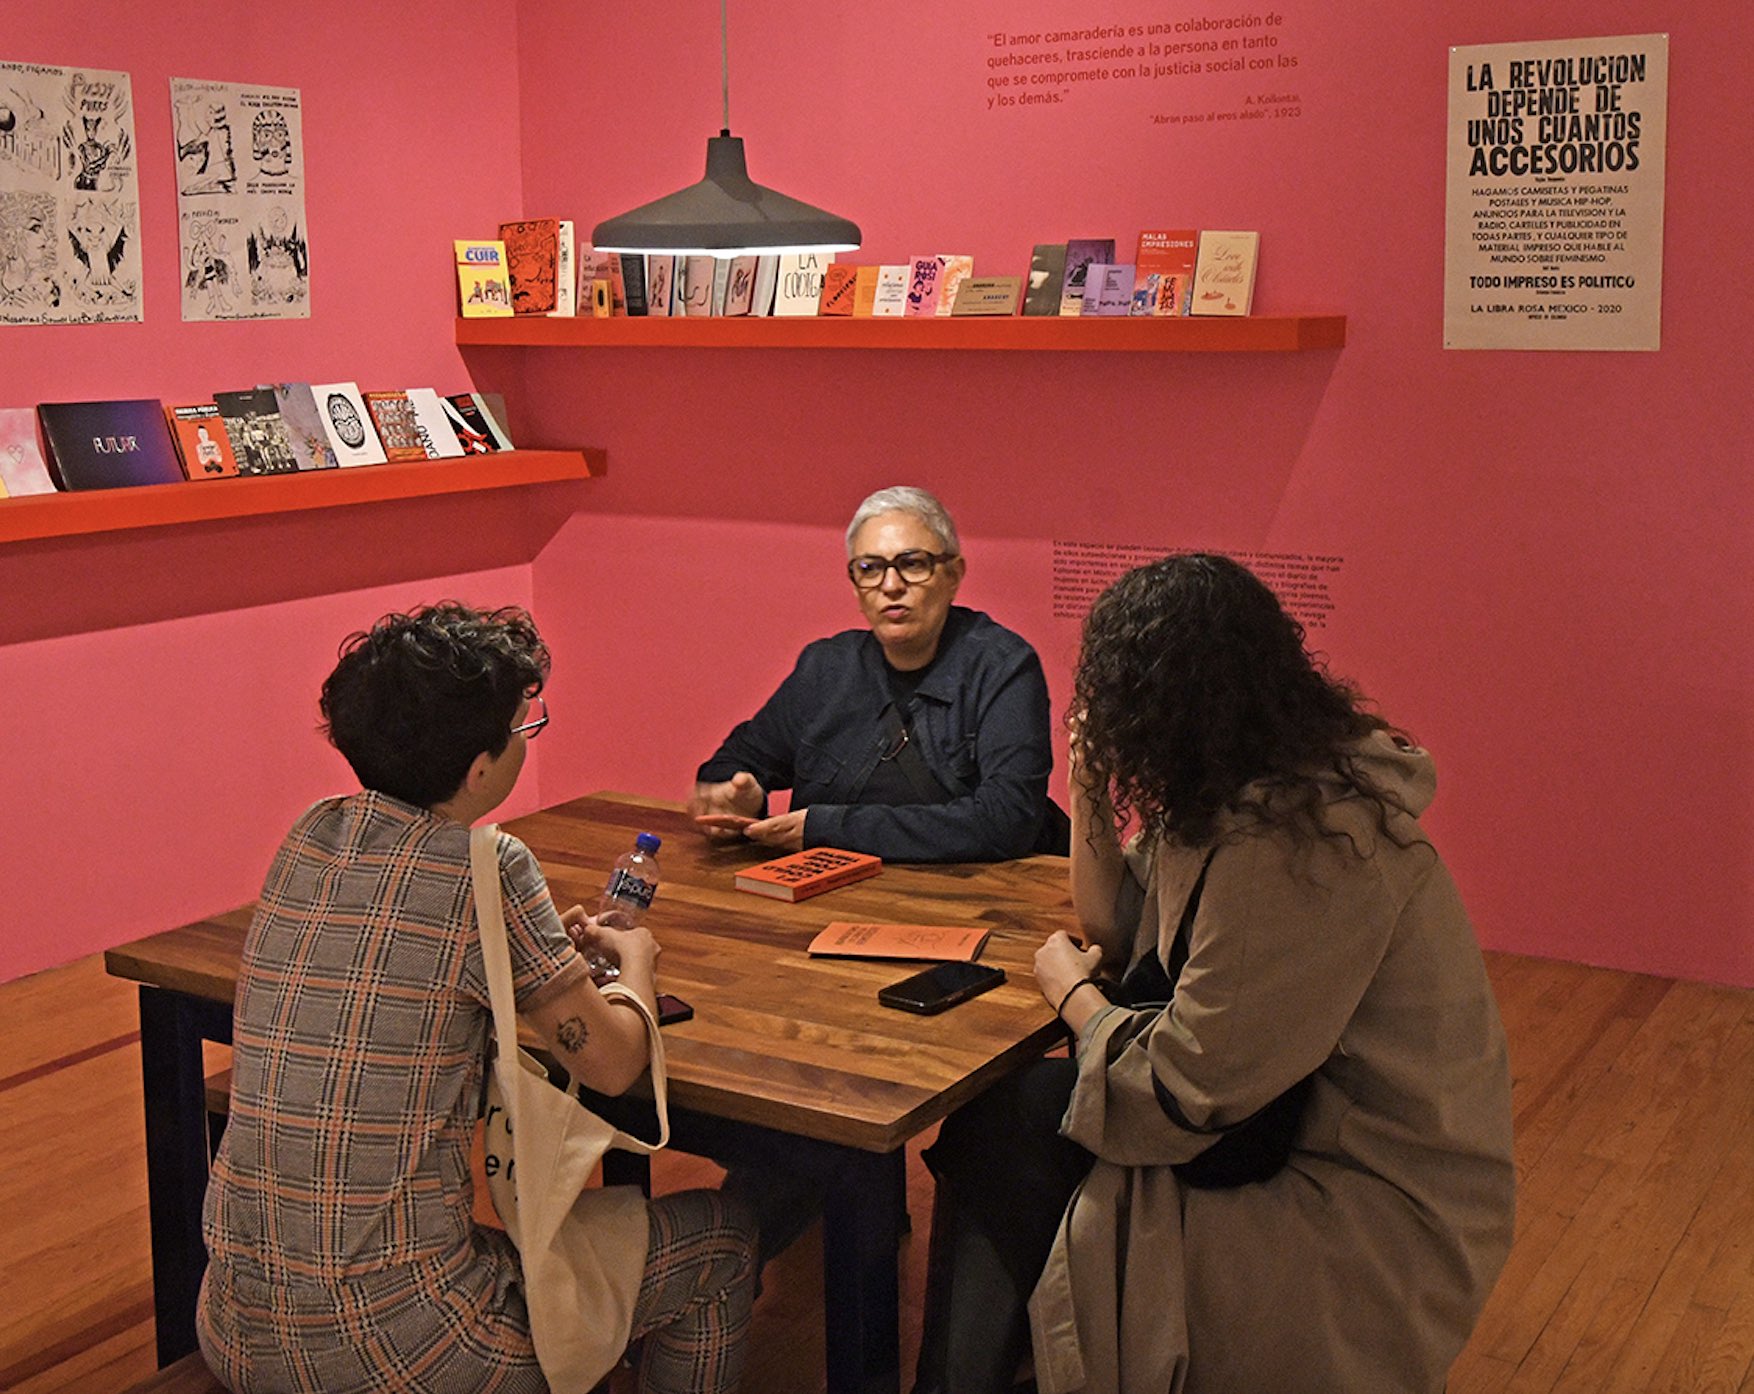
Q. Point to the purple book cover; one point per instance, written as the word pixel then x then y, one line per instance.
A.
pixel 1115 295
pixel 108 445
pixel 1079 254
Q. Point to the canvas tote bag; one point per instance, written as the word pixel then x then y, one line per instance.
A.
pixel 583 1247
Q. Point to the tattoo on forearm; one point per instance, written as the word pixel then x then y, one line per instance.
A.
pixel 572 1035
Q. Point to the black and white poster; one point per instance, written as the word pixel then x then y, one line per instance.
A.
pixel 69 197
pixel 241 201
pixel 1554 228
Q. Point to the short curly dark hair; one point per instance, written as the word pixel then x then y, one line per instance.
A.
pixel 417 697
pixel 1195 697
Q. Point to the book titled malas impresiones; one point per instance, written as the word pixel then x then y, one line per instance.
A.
pixel 807 873
pixel 1165 271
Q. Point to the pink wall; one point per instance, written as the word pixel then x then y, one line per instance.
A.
pixel 158 689
pixel 1546 571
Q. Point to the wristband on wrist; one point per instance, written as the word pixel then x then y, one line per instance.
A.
pixel 1082 982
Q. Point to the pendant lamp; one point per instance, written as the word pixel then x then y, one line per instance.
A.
pixel 727 213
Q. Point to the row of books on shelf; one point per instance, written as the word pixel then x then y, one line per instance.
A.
pixel 277 429
pixel 530 270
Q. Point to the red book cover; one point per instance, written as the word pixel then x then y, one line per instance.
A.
pixel 807 873
pixel 393 414
pixel 199 432
pixel 838 284
pixel 1164 272
pixel 532 256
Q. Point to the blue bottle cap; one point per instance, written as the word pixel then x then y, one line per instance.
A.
pixel 648 842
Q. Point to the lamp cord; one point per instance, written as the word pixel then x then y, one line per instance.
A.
pixel 725 60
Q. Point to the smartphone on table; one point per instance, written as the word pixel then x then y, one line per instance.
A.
pixel 940 987
pixel 672 1008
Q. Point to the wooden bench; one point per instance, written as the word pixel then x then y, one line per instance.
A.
pixel 189 1375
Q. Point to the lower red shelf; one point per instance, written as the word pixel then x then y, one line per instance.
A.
pixel 158 505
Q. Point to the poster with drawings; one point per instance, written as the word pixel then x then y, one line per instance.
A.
pixel 240 201
pixel 69 198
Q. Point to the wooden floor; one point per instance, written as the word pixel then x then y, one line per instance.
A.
pixel 1633 1270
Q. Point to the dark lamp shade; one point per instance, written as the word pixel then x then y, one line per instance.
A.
pixel 726 214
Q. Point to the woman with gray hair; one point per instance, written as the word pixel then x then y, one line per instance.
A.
pixel 923 737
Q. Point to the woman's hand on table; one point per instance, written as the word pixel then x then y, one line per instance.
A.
pixel 784 832
pixel 725 810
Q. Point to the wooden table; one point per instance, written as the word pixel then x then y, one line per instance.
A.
pixel 779 1039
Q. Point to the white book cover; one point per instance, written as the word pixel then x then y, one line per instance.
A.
pixel 767 275
pixel 492 407
pixel 1224 274
pixel 349 425
pixel 798 291
pixel 721 283
pixel 566 284
pixel 436 435
pixel 891 297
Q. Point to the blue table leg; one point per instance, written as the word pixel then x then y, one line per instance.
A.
pixel 172 1027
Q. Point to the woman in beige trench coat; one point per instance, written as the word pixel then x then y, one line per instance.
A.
pixel 1326 942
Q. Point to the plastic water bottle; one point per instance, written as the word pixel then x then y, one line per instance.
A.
pixel 627 897
pixel 632 884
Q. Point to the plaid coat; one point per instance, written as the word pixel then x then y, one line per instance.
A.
pixel 343 1256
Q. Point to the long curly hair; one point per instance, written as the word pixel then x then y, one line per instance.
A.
pixel 1195 699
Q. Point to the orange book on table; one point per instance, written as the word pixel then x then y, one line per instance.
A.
pixel 937 942
pixel 811 872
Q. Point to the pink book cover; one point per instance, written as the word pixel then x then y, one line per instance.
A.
pixel 695 286
pixel 740 293
pixel 597 266
pixel 21 458
pixel 957 269
pixel 1165 271
pixel 923 276
pixel 659 271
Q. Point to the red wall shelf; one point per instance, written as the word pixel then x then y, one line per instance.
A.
pixel 157 505
pixel 1044 333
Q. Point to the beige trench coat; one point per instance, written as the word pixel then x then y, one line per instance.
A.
pixel 1364 1263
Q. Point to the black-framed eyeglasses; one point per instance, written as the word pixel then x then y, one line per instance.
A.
pixel 914 567
pixel 532 728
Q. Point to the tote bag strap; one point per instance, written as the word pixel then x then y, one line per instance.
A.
pixel 496 959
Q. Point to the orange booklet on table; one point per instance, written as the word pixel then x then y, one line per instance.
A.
pixel 950 943
pixel 804 874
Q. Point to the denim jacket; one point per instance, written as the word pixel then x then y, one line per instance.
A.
pixel 980 721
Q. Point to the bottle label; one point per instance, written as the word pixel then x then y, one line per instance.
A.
pixel 625 886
